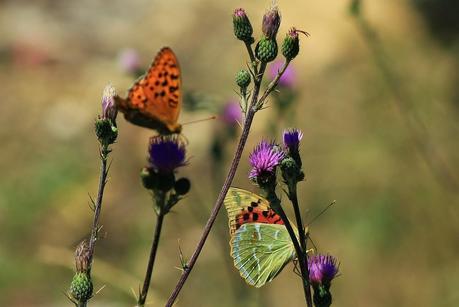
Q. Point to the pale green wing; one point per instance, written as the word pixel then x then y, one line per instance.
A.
pixel 260 251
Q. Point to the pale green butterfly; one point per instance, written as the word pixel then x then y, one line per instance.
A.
pixel 260 244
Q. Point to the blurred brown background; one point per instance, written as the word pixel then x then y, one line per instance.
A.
pixel 377 101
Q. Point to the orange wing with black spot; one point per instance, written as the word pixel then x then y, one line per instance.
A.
pixel 154 101
pixel 246 207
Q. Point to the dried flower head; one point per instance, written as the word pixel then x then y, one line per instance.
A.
pixel 271 22
pixel 264 159
pixel 322 269
pixel 82 257
pixel 109 109
pixel 166 153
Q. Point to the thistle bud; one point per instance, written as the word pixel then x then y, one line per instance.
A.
pixel 271 23
pixel 105 126
pixel 243 78
pixel 82 264
pixel 266 50
pixel 106 133
pixel 182 186
pixel 291 44
pixel 81 287
pixel 242 27
pixel 322 297
pixel 149 178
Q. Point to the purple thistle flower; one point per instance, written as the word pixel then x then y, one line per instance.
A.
pixel 129 60
pixel 231 113
pixel 288 79
pixel 292 138
pixel 109 110
pixel 322 269
pixel 264 159
pixel 166 153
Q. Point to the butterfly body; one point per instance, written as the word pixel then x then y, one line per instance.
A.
pixel 260 243
pixel 154 101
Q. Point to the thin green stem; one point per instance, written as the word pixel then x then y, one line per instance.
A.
pixel 273 84
pixel 293 196
pixel 300 252
pixel 160 199
pixel 253 60
pixel 104 151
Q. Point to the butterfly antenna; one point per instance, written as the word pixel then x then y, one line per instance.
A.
pixel 312 242
pixel 200 120
pixel 321 212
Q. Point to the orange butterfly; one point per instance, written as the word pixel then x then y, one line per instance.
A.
pixel 154 101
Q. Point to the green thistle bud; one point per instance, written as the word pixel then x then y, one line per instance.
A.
pixel 266 50
pixel 290 171
pixel 291 44
pixel 106 133
pixel 81 287
pixel 322 297
pixel 243 78
pixel 242 27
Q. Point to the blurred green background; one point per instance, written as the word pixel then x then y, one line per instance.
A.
pixel 377 100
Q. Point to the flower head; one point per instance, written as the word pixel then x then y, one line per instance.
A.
pixel 82 261
pixel 109 110
pixel 271 22
pixel 291 44
pixel 231 113
pixel 129 61
pixel 264 160
pixel 288 78
pixel 292 138
pixel 322 269
pixel 242 27
pixel 166 153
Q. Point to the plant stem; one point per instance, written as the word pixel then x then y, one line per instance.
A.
pixel 273 84
pixel 151 260
pixel 226 185
pixel 300 252
pixel 98 205
pixel 292 194
pixel 252 58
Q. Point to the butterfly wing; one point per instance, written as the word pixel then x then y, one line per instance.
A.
pixel 260 251
pixel 154 101
pixel 245 207
pixel 260 243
